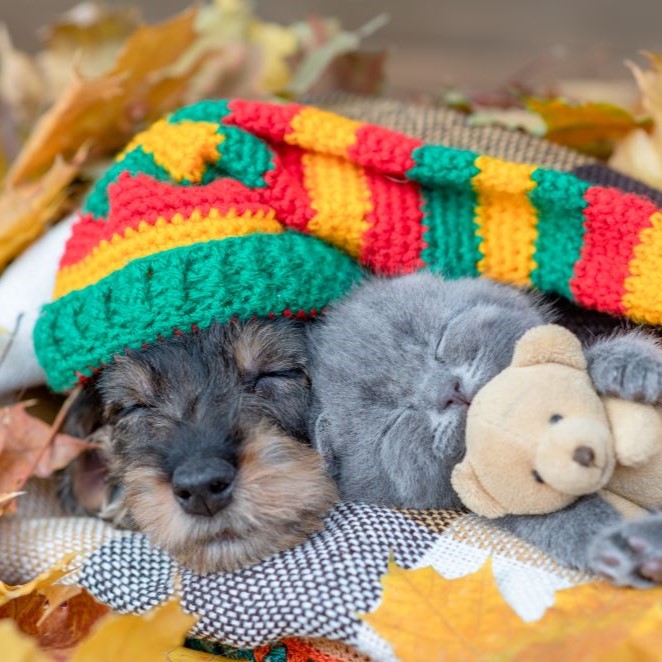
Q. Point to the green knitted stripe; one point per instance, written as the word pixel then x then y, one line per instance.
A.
pixel 452 245
pixel 136 161
pixel 443 166
pixel 243 157
pixel 198 284
pixel 204 111
pixel 559 200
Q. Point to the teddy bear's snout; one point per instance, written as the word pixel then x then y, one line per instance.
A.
pixel 576 457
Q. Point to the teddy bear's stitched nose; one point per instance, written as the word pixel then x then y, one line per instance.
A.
pixel 584 455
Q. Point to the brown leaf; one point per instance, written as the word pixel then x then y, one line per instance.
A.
pixel 27 209
pixel 105 111
pixel 57 617
pixel 26 449
pixel 21 85
pixel 89 36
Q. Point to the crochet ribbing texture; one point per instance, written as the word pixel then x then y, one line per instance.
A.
pixel 235 209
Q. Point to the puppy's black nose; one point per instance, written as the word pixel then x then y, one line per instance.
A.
pixel 203 486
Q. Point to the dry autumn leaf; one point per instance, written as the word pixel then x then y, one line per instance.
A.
pixel 17 647
pixel 58 617
pixel 40 582
pixel 27 209
pixel 592 621
pixel 106 110
pixel 639 154
pixel 588 127
pixel 144 637
pixel 427 617
pixel 28 448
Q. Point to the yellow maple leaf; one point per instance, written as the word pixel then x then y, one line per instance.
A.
pixel 17 647
pixel 43 580
pixel 588 127
pixel 591 621
pixel 427 617
pixel 143 637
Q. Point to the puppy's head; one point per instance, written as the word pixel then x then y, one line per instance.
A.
pixel 207 441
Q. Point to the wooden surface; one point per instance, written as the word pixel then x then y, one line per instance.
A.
pixel 433 43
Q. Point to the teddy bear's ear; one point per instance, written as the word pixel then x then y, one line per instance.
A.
pixel 549 344
pixel 472 494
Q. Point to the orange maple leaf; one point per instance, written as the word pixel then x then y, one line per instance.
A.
pixel 427 617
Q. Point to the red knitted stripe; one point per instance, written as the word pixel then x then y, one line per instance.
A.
pixel 286 191
pixel 394 241
pixel 267 120
pixel 614 221
pixel 384 150
pixel 142 199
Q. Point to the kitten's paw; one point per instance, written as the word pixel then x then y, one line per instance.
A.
pixel 629 368
pixel 629 554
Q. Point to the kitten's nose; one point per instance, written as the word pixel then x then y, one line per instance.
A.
pixel 203 486
pixel 450 394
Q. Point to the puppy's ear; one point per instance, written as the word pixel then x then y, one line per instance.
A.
pixel 472 493
pixel 323 443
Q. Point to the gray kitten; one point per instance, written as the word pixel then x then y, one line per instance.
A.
pixel 394 368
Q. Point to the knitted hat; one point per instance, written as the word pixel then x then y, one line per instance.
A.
pixel 187 227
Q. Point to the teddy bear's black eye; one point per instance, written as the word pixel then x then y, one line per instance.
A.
pixel 555 418
pixel 537 477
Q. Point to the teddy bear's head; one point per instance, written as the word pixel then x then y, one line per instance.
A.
pixel 538 435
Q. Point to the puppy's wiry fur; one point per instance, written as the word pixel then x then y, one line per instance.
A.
pixel 236 394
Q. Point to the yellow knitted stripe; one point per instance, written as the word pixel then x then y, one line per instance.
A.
pixel 643 294
pixel 183 149
pixel 340 196
pixel 324 132
pixel 147 239
pixel 506 220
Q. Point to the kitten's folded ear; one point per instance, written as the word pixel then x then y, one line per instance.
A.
pixel 323 443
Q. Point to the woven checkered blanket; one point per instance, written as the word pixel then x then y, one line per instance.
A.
pixel 314 591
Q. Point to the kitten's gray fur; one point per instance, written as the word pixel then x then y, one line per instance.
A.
pixel 392 364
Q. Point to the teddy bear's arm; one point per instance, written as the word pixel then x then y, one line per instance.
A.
pixel 637 431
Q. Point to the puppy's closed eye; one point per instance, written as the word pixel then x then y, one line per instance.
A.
pixel 268 380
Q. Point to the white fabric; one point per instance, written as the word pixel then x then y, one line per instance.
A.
pixel 25 286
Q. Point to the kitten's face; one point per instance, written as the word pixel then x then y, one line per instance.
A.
pixel 396 366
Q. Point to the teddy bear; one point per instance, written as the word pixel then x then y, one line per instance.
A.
pixel 539 436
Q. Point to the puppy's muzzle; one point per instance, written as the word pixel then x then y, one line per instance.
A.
pixel 203 486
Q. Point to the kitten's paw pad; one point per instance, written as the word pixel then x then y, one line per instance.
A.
pixel 631 375
pixel 629 554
